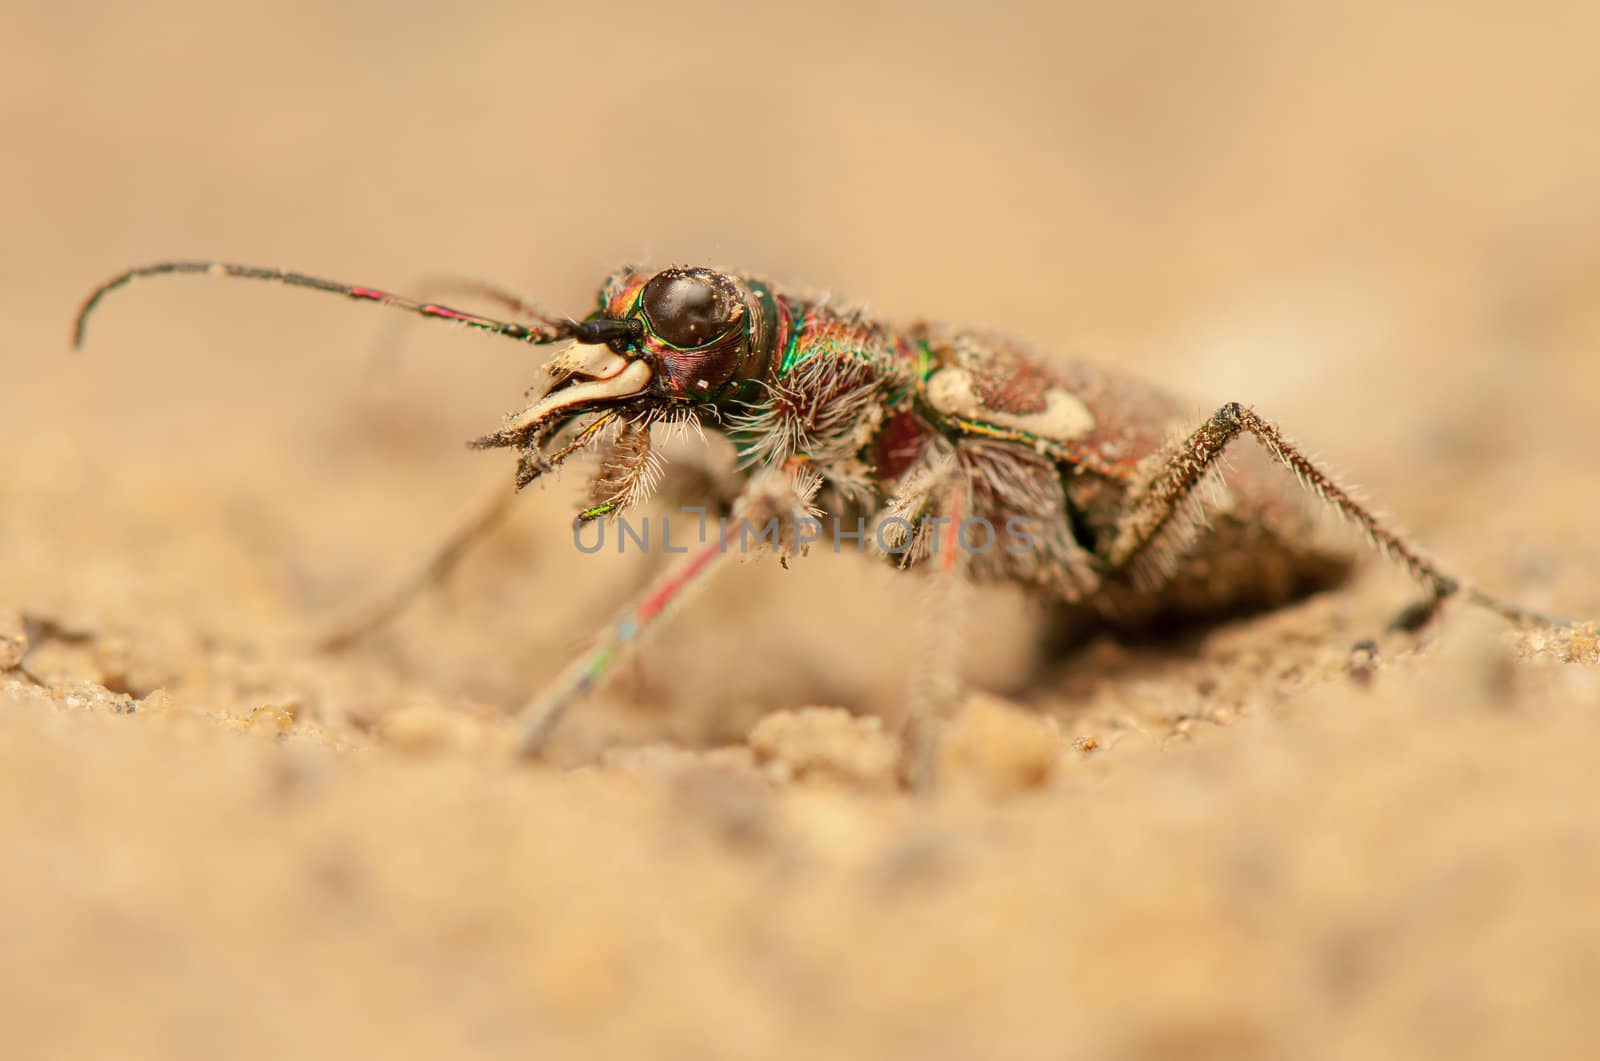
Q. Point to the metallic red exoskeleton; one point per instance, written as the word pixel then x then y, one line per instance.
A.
pixel 915 433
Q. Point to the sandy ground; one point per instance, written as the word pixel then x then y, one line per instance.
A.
pixel 1379 227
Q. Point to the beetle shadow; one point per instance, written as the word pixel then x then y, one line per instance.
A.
pixel 1079 649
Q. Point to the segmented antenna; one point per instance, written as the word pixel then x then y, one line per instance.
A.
pixel 541 330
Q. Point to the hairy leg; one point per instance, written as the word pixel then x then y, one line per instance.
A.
pixel 431 572
pixel 448 554
pixel 935 691
pixel 1162 514
pixel 920 526
pixel 784 494
pixel 687 485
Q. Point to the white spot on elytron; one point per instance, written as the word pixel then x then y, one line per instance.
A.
pixel 1063 417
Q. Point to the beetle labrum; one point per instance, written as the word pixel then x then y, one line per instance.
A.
pixel 912 431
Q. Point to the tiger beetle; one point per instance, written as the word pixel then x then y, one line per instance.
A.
pixel 913 430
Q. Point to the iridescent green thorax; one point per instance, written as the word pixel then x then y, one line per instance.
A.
pixel 821 331
pixel 793 350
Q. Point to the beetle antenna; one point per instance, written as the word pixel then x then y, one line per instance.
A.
pixel 605 329
pixel 539 331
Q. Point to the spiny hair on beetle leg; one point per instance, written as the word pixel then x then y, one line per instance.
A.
pixel 1018 480
pixel 902 533
pixel 1007 483
pixel 630 470
pixel 1319 490
pixel 850 485
pixel 1175 538
pixel 1328 487
pixel 1219 496
pixel 1169 531
pixel 782 499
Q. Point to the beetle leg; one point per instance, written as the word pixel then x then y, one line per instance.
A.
pixel 448 555
pixel 782 494
pixel 1164 514
pixel 920 526
pixel 433 571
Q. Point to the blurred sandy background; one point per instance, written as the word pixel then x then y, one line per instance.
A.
pixel 1379 226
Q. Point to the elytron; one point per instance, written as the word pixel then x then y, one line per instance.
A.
pixel 911 429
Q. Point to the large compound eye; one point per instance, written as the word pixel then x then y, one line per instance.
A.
pixel 688 307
